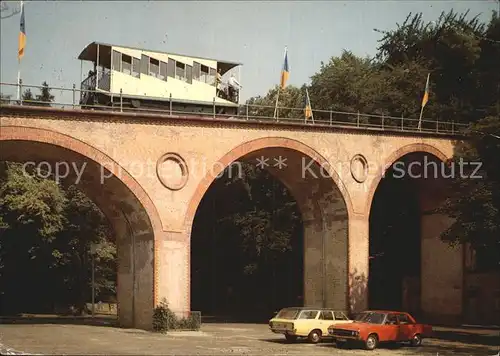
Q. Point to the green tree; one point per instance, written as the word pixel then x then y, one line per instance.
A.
pixel 5 98
pixel 475 202
pixel 45 236
pixel 28 97
pixel 475 206
pixel 459 53
pixel 84 225
pixel 31 209
pixel 45 97
pixel 290 104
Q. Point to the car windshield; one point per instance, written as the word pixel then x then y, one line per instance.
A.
pixel 370 317
pixel 288 313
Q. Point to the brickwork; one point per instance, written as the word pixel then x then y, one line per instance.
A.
pixel 335 207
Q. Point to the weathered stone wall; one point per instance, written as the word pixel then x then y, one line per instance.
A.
pixel 482 298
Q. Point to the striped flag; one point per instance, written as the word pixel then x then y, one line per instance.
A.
pixel 308 109
pixel 285 73
pixel 22 34
pixel 425 99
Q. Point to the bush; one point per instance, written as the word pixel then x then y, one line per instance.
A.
pixel 164 319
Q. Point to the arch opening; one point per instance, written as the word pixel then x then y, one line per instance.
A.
pixel 295 212
pixel 132 223
pixel 406 271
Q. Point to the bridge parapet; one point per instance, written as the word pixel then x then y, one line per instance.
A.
pixel 243 113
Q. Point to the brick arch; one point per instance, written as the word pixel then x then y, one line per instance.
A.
pixel 150 213
pixel 252 146
pixel 396 155
pixel 315 228
pixel 18 133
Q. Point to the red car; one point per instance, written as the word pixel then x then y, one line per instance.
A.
pixel 375 326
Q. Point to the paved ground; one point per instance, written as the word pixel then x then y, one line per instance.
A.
pixel 216 339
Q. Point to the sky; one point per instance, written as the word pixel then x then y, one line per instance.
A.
pixel 252 32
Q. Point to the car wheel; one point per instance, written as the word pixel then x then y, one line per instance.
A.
pixel 416 340
pixel 314 336
pixel 371 342
pixel 291 338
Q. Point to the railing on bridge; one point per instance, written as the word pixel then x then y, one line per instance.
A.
pixel 89 84
pixel 259 113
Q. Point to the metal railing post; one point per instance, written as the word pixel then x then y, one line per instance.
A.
pixel 331 117
pixel 246 108
pixel 383 119
pixel 170 103
pixel 121 100
pixel 402 122
pixel 214 107
pixel 74 92
pixel 20 91
pixel 452 126
pixel 437 125
pixel 357 120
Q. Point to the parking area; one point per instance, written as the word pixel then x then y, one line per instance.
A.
pixel 215 339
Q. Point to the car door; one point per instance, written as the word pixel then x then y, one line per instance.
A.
pixel 308 320
pixel 325 319
pixel 406 327
pixel 390 328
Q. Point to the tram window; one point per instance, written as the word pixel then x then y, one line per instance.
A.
pixel 136 67
pixel 126 64
pixel 189 74
pixel 144 64
pixel 171 68
pixel 117 58
pixel 196 70
pixel 154 67
pixel 163 71
pixel 180 71
pixel 204 77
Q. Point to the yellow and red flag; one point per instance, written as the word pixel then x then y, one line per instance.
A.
pixel 22 34
pixel 425 99
pixel 307 109
pixel 285 73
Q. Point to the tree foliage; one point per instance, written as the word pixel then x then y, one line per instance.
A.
pixel 45 236
pixel 460 54
pixel 43 99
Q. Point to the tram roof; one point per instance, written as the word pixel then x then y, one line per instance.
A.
pixel 89 53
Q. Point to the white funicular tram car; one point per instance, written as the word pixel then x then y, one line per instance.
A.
pixel 136 79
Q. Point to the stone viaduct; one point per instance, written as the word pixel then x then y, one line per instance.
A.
pixel 148 174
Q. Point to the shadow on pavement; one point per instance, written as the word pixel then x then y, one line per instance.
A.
pixel 98 320
pixel 299 341
pixel 427 349
pixel 469 350
pixel 222 319
pixel 490 339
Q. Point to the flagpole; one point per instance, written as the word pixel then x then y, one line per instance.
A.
pixel 279 89
pixel 18 80
pixel 276 105
pixel 420 118
pixel 19 62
